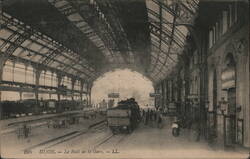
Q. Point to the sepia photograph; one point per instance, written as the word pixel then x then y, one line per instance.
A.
pixel 124 79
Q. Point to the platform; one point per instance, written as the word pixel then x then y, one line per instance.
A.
pixel 146 141
pixel 11 144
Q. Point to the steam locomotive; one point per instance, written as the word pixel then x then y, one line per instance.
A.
pixel 124 117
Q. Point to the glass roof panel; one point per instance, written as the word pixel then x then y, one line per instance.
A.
pixel 166 15
pixel 61 3
pixel 61 58
pixel 167 28
pixel 25 43
pixel 162 60
pixel 163 55
pixel 153 19
pixel 44 51
pixel 35 58
pixel 169 36
pixel 34 46
pixel 54 64
pixel 5 33
pixel 182 30
pixel 153 60
pixel 164 47
pixel 1 42
pixel 5 47
pixel 154 38
pixel 153 6
pixel 17 51
pixel 41 41
pixel 13 37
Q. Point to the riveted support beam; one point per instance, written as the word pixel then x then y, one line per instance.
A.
pixel 89 87
pixel 81 89
pixel 37 77
pixel 72 85
pixel 59 80
pixel 1 77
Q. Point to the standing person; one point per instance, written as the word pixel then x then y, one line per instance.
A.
pixel 151 115
pixel 159 120
pixel 155 115
pixel 143 115
pixel 147 117
pixel 25 130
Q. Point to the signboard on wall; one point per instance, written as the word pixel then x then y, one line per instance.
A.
pixel 28 95
pixel 154 94
pixel 113 95
pixel 193 96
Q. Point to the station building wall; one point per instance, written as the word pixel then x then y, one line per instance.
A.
pixel 235 43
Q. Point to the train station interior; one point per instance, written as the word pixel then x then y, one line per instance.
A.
pixel 124 79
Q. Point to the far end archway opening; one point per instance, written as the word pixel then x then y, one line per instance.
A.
pixel 127 83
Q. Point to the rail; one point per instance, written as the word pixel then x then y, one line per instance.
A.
pixel 63 138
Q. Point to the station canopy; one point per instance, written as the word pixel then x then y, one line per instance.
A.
pixel 86 38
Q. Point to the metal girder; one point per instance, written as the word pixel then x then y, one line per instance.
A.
pixel 43 55
pixel 11 49
pixel 74 63
pixel 171 40
pixel 29 31
pixel 168 8
pixel 158 60
pixel 153 13
pixel 102 27
pixel 158 32
pixel 24 87
pixel 178 41
pixel 35 64
pixel 67 10
pixel 27 47
pixel 52 53
pixel 118 33
pixel 10 38
pixel 159 48
pixel 85 28
pixel 185 13
pixel 167 54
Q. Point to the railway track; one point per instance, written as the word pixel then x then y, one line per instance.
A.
pixel 64 138
pixel 113 140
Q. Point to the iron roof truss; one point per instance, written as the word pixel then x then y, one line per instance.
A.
pixel 22 38
pixel 168 33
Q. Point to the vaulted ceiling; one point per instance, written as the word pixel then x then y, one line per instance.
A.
pixel 86 38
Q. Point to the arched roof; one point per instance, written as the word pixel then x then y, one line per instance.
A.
pixel 85 38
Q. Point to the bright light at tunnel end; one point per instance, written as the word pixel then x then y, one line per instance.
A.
pixel 127 83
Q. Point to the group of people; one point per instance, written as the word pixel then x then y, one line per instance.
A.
pixel 153 116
